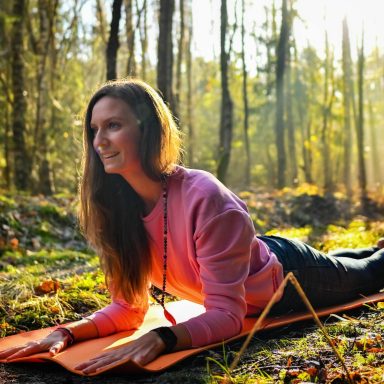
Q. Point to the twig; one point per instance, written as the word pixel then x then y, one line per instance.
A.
pixel 304 297
pixel 257 326
pixel 292 279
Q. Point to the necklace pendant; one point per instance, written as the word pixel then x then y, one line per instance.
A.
pixel 169 317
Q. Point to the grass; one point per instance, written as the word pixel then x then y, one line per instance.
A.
pixel 49 276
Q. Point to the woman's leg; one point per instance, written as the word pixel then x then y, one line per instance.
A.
pixel 358 253
pixel 326 280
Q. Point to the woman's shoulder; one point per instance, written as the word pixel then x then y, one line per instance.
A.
pixel 200 186
pixel 197 179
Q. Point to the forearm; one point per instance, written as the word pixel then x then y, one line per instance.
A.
pixel 84 329
pixel 183 337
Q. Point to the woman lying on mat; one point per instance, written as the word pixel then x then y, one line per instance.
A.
pixel 155 222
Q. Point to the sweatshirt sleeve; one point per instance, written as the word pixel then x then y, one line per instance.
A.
pixel 117 317
pixel 223 249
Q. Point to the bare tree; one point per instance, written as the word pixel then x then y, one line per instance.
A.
pixel 165 52
pixel 360 126
pixel 280 102
pixel 347 101
pixel 21 157
pixel 328 98
pixel 226 112
pixel 144 41
pixel 100 15
pixel 179 58
pixel 113 41
pixel 245 101
pixel 130 31
pixel 189 101
pixel 5 93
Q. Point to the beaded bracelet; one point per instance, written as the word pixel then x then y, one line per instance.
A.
pixel 168 337
pixel 67 332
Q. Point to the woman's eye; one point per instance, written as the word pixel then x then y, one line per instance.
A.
pixel 113 125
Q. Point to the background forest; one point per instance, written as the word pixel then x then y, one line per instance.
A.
pixel 261 110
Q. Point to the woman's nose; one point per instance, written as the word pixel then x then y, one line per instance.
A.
pixel 99 140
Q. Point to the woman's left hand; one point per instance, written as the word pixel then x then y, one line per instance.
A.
pixel 141 351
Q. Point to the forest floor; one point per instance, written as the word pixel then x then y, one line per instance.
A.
pixel 48 276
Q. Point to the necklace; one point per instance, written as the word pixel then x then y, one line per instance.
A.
pixel 160 301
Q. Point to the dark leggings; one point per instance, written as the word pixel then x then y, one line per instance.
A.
pixel 327 279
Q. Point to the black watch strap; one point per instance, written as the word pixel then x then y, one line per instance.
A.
pixel 168 337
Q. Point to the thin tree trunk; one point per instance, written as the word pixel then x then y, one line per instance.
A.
pixel 130 31
pixel 191 136
pixel 280 102
pixel 376 178
pixel 245 102
pixel 47 14
pixel 165 52
pixel 347 95
pixel 21 158
pixel 7 152
pixel 328 98
pixel 113 41
pixel 360 127
pixel 101 19
pixel 6 100
pixel 290 124
pixel 226 113
pixel 144 42
pixel 179 61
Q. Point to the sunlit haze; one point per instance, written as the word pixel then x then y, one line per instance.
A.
pixel 316 17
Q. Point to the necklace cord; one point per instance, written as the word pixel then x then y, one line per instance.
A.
pixel 161 301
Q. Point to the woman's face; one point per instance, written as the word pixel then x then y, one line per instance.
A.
pixel 116 136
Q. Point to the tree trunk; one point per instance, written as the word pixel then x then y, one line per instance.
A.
pixel 179 61
pixel 360 127
pixel 47 15
pixel 21 158
pixel 130 31
pixel 376 169
pixel 144 42
pixel 100 15
pixel 293 174
pixel 280 107
pixel 165 53
pixel 347 95
pixel 226 113
pixel 328 98
pixel 6 97
pixel 189 121
pixel 113 41
pixel 245 102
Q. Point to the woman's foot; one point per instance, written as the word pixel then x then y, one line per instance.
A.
pixel 380 243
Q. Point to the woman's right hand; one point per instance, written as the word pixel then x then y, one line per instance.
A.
pixel 54 343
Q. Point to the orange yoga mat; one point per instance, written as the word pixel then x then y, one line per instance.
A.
pixel 182 310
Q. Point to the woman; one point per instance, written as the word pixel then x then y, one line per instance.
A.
pixel 152 221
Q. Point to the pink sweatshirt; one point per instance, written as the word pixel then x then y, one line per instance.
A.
pixel 214 259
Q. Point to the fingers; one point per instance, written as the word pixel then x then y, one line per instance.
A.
pixel 56 348
pixel 8 352
pixel 141 351
pixel 97 363
pixel 22 351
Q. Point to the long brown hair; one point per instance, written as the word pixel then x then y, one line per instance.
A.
pixel 110 210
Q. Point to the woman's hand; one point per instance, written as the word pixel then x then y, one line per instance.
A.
pixel 141 351
pixel 55 342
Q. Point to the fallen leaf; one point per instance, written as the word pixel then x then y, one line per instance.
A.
pixel 47 286
pixel 312 371
pixel 14 243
